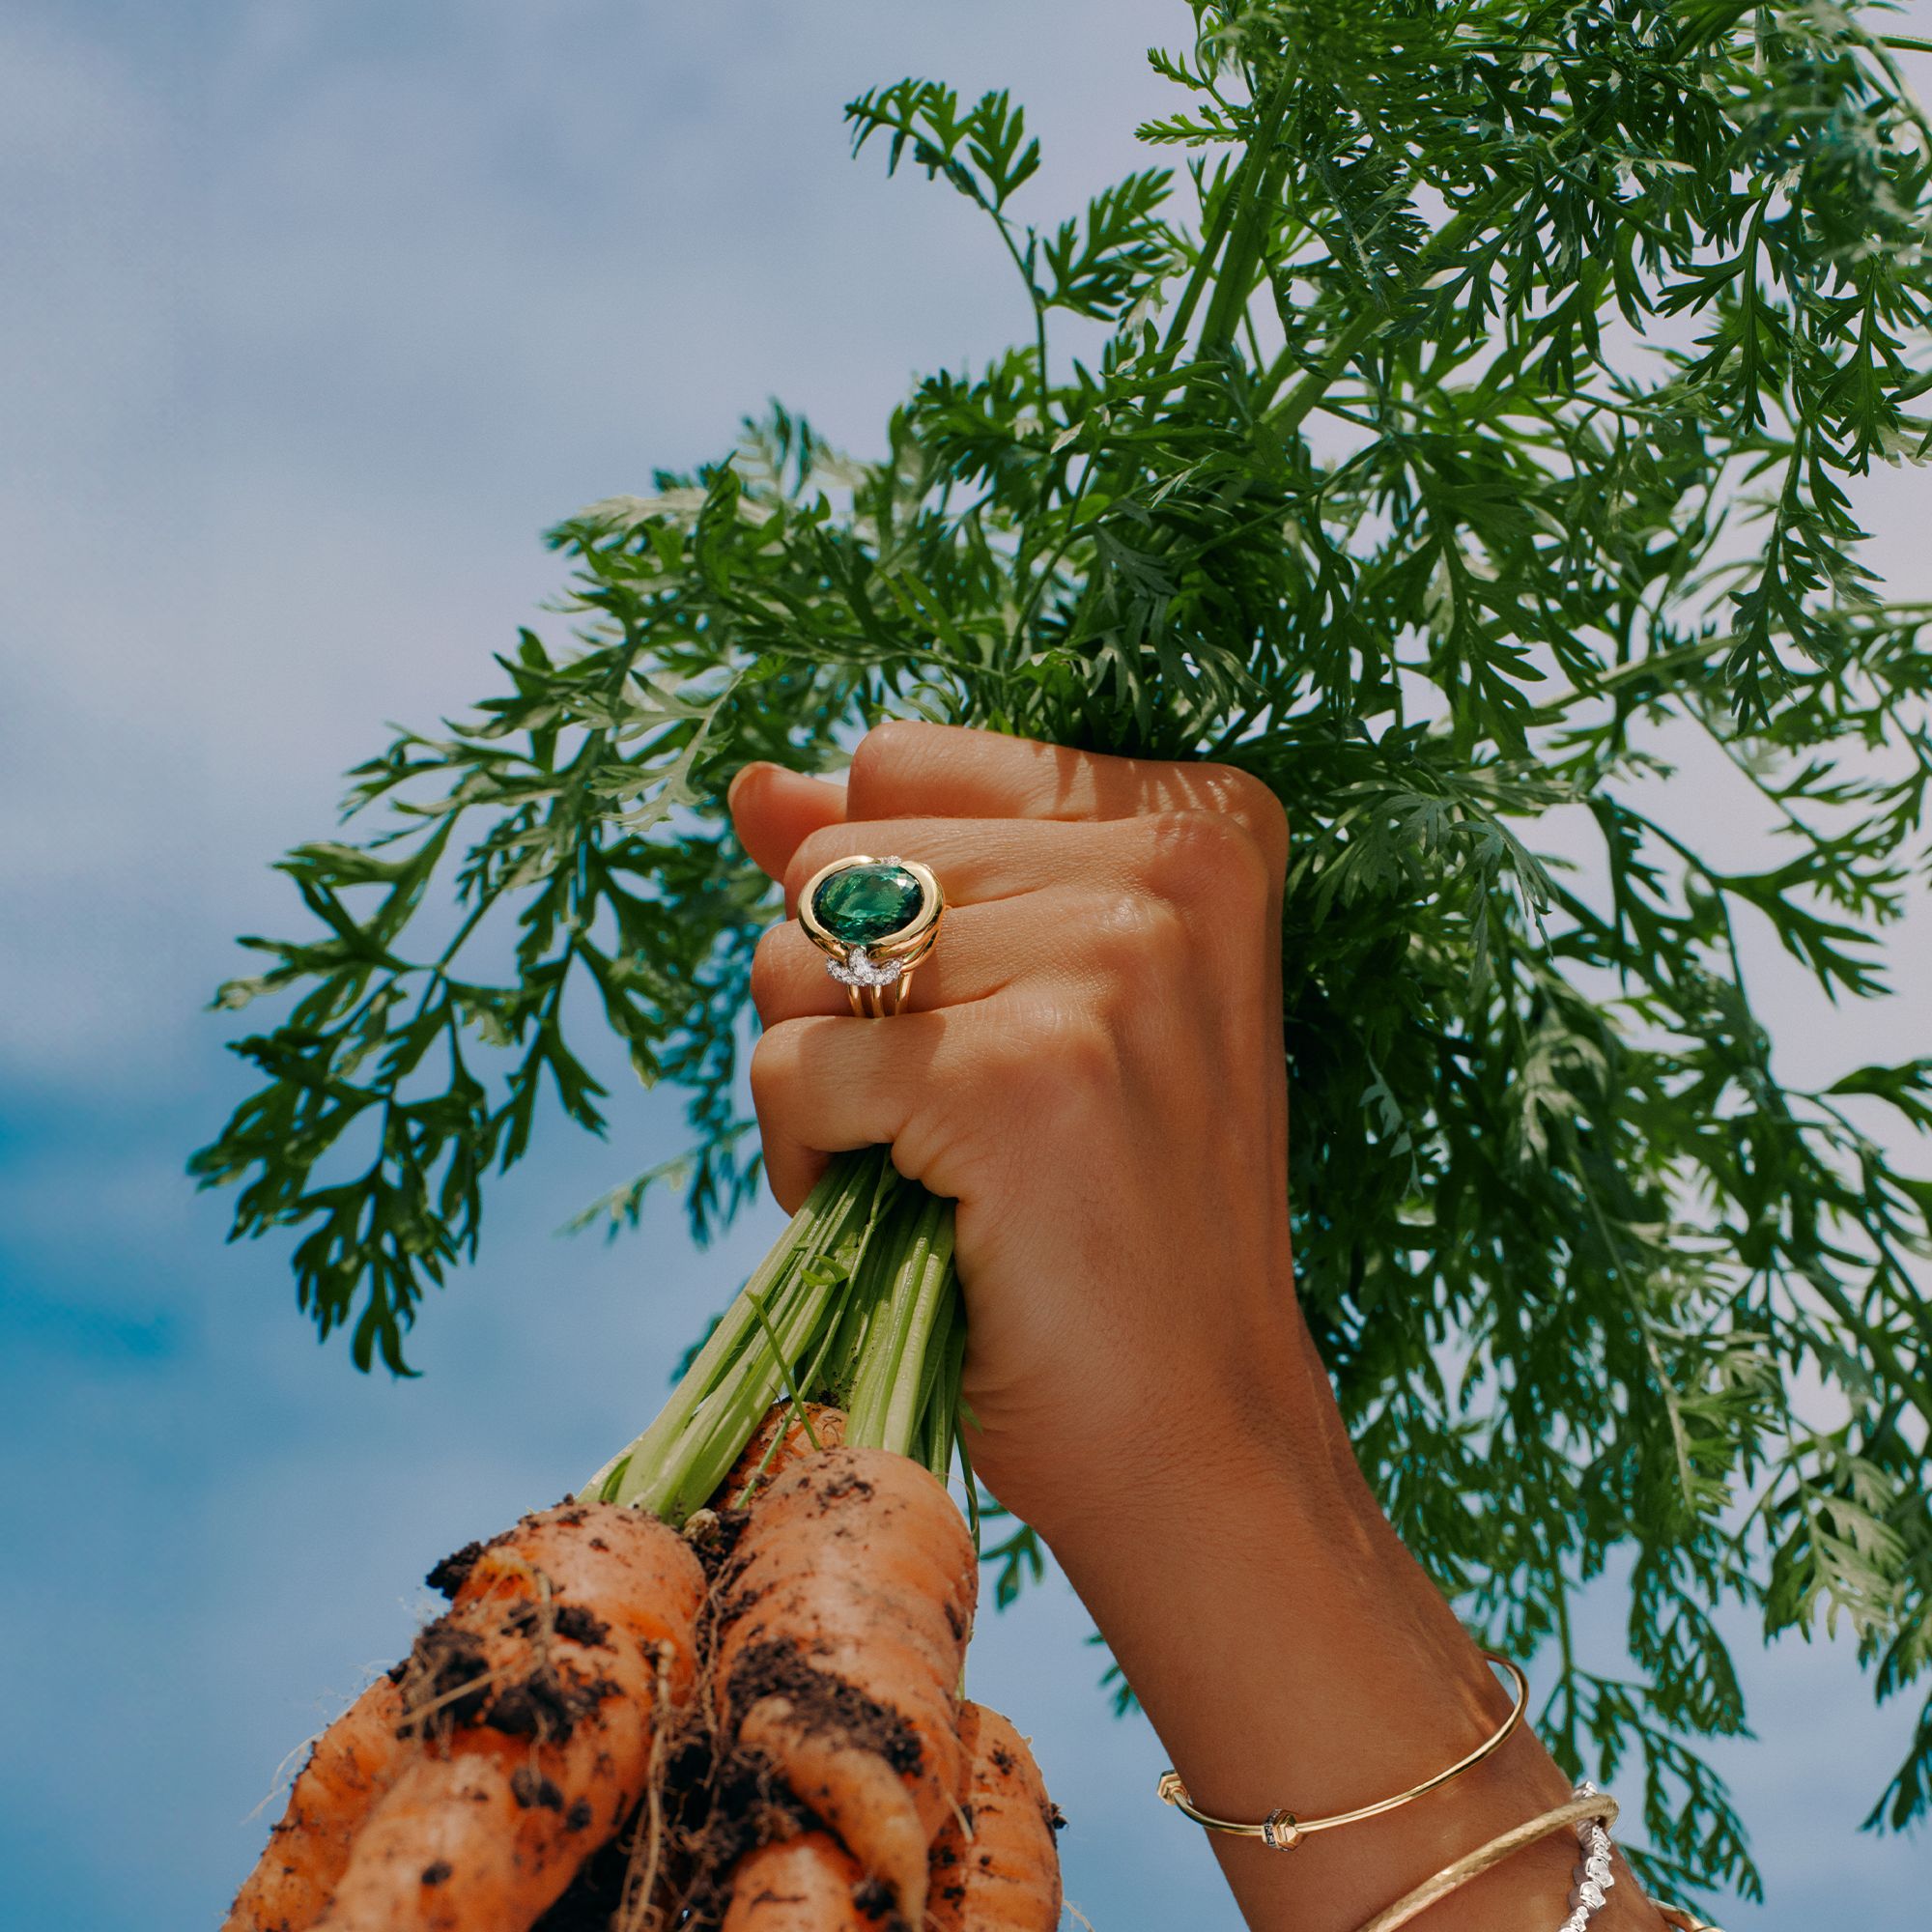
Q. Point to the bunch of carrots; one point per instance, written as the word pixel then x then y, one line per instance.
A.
pixel 720 1688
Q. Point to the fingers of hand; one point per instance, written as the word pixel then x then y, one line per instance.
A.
pixel 943 771
pixel 821 1085
pixel 981 950
pixel 1042 897
pixel 976 859
pixel 960 1095
pixel 996 791
pixel 1145 939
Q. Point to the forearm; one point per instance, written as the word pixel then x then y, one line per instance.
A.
pixel 1290 1652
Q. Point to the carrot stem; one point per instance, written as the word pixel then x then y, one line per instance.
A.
pixel 893 1384
pixel 857 1304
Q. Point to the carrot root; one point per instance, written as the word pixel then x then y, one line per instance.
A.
pixel 559 1696
pixel 844 1619
pixel 850 1786
pixel 996 1869
pixel 810 1884
pixel 536 1701
pixel 785 1436
pixel 352 1764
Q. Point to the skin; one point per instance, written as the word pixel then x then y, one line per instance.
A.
pixel 1091 1065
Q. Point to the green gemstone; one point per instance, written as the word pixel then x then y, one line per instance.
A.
pixel 867 902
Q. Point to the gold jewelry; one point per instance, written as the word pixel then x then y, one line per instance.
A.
pixel 874 919
pixel 1590 1806
pixel 1684 1921
pixel 1282 1831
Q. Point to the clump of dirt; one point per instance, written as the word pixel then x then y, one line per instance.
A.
pixel 453 1572
pixel 444 1680
pixel 824 1704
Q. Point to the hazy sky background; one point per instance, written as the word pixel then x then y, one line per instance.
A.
pixel 312 316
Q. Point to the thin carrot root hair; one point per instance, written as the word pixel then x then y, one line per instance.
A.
pixel 642 1907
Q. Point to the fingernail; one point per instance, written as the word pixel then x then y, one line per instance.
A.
pixel 739 777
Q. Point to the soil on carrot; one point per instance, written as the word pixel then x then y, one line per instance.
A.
pixel 713 1534
pixel 824 1704
pixel 717 1810
pixel 450 1575
pixel 443 1679
pixel 446 1679
pixel 714 1814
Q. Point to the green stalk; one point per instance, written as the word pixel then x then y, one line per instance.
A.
pixel 857 1304
pixel 887 1400
pixel 1264 167
pixel 661 1465
pixel 1241 192
pixel 939 1396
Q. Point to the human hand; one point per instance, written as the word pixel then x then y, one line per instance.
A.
pixel 1090 1064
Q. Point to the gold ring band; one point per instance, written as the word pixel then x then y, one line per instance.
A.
pixel 875 920
pixel 1282 1831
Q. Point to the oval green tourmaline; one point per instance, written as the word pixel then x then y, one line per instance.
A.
pixel 867 902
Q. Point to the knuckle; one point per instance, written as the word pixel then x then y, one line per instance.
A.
pixel 1087 1051
pixel 1204 862
pixel 885 753
pixel 1244 797
pixel 1061 1052
pixel 1145 951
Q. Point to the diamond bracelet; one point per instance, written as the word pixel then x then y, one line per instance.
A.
pixel 1592 1875
pixel 1589 1813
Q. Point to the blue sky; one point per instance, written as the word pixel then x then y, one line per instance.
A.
pixel 315 314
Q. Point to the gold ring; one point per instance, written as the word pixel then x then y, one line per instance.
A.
pixel 874 919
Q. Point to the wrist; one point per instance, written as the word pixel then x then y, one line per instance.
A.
pixel 1251 1441
pixel 1291 1654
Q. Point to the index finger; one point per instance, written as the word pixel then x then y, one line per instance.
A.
pixel 906 769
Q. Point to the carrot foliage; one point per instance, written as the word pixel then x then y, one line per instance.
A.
pixel 1450 425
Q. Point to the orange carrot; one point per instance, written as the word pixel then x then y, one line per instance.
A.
pixel 845 1617
pixel 751 1475
pixel 536 1703
pixel 808 1884
pixel 996 1867
pixel 350 1765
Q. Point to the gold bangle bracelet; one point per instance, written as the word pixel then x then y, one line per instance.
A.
pixel 1282 1831
pixel 1683 1921
pixel 1598 1804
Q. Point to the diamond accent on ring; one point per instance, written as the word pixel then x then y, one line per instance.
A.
pixel 859 968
